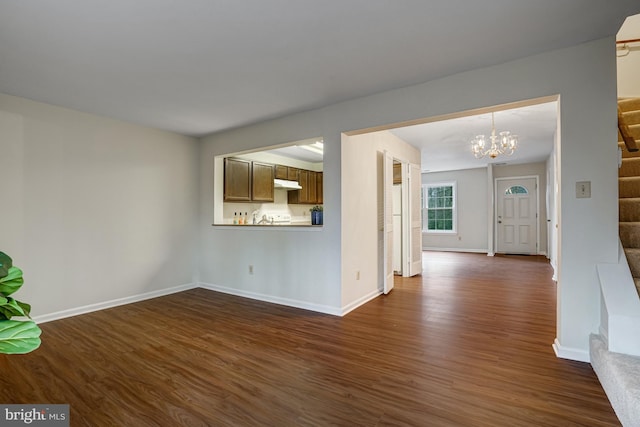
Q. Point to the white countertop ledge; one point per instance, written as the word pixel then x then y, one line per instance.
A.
pixel 261 227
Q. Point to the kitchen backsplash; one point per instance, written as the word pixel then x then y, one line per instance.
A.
pixel 299 213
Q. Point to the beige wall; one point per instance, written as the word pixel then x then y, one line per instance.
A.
pixel 361 204
pixel 95 209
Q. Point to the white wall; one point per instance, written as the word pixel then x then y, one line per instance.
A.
pixel 531 169
pixel 307 266
pixel 294 266
pixel 94 209
pixel 361 202
pixel 472 212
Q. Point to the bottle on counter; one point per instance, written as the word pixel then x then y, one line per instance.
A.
pixel 246 219
pixel 235 218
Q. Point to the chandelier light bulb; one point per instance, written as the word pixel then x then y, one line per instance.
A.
pixel 504 144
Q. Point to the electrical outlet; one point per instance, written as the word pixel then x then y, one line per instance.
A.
pixel 250 269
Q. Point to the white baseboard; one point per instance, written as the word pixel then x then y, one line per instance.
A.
pixel 555 269
pixel 433 248
pixel 361 301
pixel 272 299
pixel 109 304
pixel 162 292
pixel 570 353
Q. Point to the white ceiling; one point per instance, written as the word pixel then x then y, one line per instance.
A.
pixel 445 145
pixel 201 66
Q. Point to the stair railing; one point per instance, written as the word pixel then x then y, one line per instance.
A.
pixel 628 139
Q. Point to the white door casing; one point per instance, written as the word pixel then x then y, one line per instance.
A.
pixel 415 220
pixel 398 230
pixel 387 260
pixel 517 215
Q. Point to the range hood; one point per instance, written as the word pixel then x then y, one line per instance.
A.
pixel 287 185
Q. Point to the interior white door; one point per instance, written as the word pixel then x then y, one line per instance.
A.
pixel 397 229
pixel 516 213
pixel 387 180
pixel 415 214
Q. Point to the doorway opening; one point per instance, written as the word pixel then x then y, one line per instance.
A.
pixel 537 123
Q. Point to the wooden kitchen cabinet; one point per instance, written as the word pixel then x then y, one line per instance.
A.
pixel 286 172
pixel 319 199
pixel 246 181
pixel 281 172
pixel 293 173
pixel 302 195
pixel 262 175
pixel 237 180
pixel 311 191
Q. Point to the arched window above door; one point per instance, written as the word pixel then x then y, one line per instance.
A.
pixel 516 189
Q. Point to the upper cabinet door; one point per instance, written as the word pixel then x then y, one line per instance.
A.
pixel 319 187
pixel 237 180
pixel 282 172
pixel 292 173
pixel 312 194
pixel 262 182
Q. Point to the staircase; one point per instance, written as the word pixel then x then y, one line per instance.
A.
pixel 629 183
pixel 615 352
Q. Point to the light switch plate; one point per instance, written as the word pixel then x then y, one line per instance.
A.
pixel 583 189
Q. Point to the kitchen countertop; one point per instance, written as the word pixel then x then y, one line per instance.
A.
pixel 300 227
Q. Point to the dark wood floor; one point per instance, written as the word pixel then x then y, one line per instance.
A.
pixel 468 344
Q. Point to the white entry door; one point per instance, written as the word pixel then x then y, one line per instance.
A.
pixel 516 212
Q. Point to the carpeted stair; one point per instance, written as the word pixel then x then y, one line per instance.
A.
pixel 618 374
pixel 629 187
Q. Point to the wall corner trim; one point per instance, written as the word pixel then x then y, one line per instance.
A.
pixel 361 301
pixel 576 354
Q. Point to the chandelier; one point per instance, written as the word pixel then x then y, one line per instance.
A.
pixel 505 143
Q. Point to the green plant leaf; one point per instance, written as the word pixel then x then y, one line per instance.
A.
pixel 5 264
pixel 3 301
pixel 19 337
pixel 11 282
pixel 26 308
pixel 11 307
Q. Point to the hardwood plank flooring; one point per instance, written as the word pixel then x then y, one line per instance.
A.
pixel 466 344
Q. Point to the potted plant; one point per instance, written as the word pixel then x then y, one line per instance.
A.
pixel 16 336
pixel 316 215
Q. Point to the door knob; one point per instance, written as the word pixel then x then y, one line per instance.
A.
pixel 499 222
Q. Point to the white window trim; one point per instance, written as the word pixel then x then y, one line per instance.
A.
pixel 452 184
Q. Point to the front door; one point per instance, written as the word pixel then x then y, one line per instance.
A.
pixel 516 212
